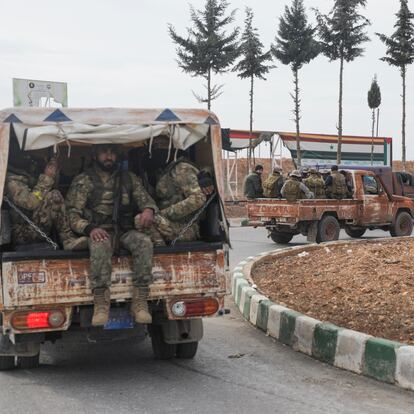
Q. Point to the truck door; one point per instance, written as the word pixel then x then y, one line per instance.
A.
pixel 375 206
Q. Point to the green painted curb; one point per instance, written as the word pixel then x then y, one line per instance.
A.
pixel 263 314
pixel 241 285
pixel 247 301
pixel 324 341
pixel 287 326
pixel 380 359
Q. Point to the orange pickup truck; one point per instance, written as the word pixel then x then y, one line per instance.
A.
pixel 371 207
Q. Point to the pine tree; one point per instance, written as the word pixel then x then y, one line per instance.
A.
pixel 253 62
pixel 342 32
pixel 374 101
pixel 207 49
pixel 295 46
pixel 400 53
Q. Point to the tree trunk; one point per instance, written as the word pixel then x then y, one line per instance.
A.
pixel 341 76
pixel 378 112
pixel 372 136
pixel 403 73
pixel 251 118
pixel 209 89
pixel 297 119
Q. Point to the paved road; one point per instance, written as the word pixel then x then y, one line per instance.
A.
pixel 267 378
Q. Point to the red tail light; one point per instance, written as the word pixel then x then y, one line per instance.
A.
pixel 194 307
pixel 47 319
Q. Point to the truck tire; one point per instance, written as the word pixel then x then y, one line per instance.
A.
pixel 403 225
pixel 28 362
pixel 328 230
pixel 354 232
pixel 6 363
pixel 187 350
pixel 282 238
pixel 160 348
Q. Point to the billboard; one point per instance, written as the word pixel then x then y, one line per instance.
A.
pixel 321 149
pixel 38 93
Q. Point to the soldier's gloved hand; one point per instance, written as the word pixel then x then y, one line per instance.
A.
pixel 146 218
pixel 205 181
pixel 98 235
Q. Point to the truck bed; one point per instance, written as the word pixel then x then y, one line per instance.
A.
pixel 46 277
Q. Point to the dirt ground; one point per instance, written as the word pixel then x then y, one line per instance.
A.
pixel 366 287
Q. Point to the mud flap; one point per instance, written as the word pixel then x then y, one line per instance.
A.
pixel 312 232
pixel 181 331
pixel 25 349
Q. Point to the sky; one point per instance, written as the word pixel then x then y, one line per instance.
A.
pixel 119 54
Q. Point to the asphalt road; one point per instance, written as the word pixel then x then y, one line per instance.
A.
pixel 237 370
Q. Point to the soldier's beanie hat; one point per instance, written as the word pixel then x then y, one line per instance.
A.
pixel 101 147
pixel 258 167
pixel 334 168
pixel 296 173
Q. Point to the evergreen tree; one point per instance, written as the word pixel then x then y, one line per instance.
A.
pixel 374 101
pixel 207 49
pixel 400 53
pixel 295 46
pixel 342 32
pixel 253 62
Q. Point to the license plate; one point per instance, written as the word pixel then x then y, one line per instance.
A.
pixel 119 319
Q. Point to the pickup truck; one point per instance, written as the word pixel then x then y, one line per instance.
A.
pixel 371 207
pixel 45 293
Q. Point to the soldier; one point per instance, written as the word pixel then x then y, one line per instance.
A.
pixel 315 183
pixel 294 189
pixel 252 186
pixel 273 184
pixel 101 206
pixel 181 190
pixel 40 202
pixel 335 184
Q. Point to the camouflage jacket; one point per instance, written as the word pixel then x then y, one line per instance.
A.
pixel 178 193
pixel 85 213
pixel 25 192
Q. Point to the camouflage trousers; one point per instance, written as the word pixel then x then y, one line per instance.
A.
pixel 51 214
pixel 141 249
pixel 166 230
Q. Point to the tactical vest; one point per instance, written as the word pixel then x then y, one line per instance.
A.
pixel 292 191
pixel 167 191
pixel 316 185
pixel 127 207
pixel 271 185
pixel 339 188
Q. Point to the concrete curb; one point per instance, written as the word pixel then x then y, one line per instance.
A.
pixel 378 358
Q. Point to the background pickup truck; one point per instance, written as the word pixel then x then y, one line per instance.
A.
pixel 372 207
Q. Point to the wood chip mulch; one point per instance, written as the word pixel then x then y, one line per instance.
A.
pixel 365 287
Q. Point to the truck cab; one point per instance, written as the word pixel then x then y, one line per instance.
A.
pixel 45 293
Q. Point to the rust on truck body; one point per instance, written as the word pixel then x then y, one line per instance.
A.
pixel 47 282
pixel 363 210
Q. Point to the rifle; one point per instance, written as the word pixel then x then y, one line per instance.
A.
pixel 115 212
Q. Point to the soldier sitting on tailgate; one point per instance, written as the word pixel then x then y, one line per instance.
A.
pixel 336 185
pixel 294 189
pixel 101 206
pixel 39 201
pixel 181 190
pixel 273 184
pixel 315 183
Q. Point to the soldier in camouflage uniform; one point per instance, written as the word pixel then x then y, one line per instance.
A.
pixel 294 189
pixel 40 202
pixel 179 196
pixel 315 183
pixel 335 184
pixel 91 200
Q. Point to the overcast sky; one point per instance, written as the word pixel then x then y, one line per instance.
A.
pixel 118 53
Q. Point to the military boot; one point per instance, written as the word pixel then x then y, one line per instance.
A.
pixel 75 243
pixel 139 305
pixel 101 305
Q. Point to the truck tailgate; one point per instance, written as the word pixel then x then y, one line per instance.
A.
pixel 62 277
